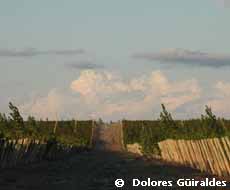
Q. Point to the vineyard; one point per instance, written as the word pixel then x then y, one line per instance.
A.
pixel 29 141
pixel 177 141
pixel 202 143
pixel 149 133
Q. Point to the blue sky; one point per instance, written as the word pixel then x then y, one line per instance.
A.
pixel 57 57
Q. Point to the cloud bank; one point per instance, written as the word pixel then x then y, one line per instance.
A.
pixel 186 57
pixel 109 95
pixel 31 52
pixel 221 103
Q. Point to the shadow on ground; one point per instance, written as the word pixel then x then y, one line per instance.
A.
pixel 92 170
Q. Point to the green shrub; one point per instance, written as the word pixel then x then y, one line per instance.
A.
pixel 149 133
pixel 74 133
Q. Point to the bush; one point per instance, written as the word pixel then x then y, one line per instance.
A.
pixel 71 133
pixel 149 133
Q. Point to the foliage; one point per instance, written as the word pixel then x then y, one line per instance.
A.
pixel 73 133
pixel 15 116
pixel 166 117
pixel 149 133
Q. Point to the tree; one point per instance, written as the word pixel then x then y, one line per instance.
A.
pixel 209 114
pixel 100 121
pixel 15 116
pixel 3 118
pixel 209 117
pixel 31 121
pixel 211 125
pixel 166 117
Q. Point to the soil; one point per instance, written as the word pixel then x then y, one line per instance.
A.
pixel 94 170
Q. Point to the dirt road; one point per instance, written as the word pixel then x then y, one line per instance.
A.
pixel 90 171
pixel 107 137
pixel 93 170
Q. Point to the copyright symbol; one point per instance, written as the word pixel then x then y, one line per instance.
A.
pixel 119 183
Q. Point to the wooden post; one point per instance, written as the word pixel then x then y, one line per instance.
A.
pixel 122 135
pixel 92 134
pixel 56 124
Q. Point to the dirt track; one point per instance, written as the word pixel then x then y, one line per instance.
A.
pixel 94 170
pixel 89 170
pixel 107 138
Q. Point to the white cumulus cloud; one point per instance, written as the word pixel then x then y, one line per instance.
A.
pixel 43 107
pixel 221 103
pixel 111 96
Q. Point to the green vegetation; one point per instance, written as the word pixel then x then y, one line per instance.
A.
pixel 149 133
pixel 70 133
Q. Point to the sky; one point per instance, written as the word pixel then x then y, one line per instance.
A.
pixel 115 59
